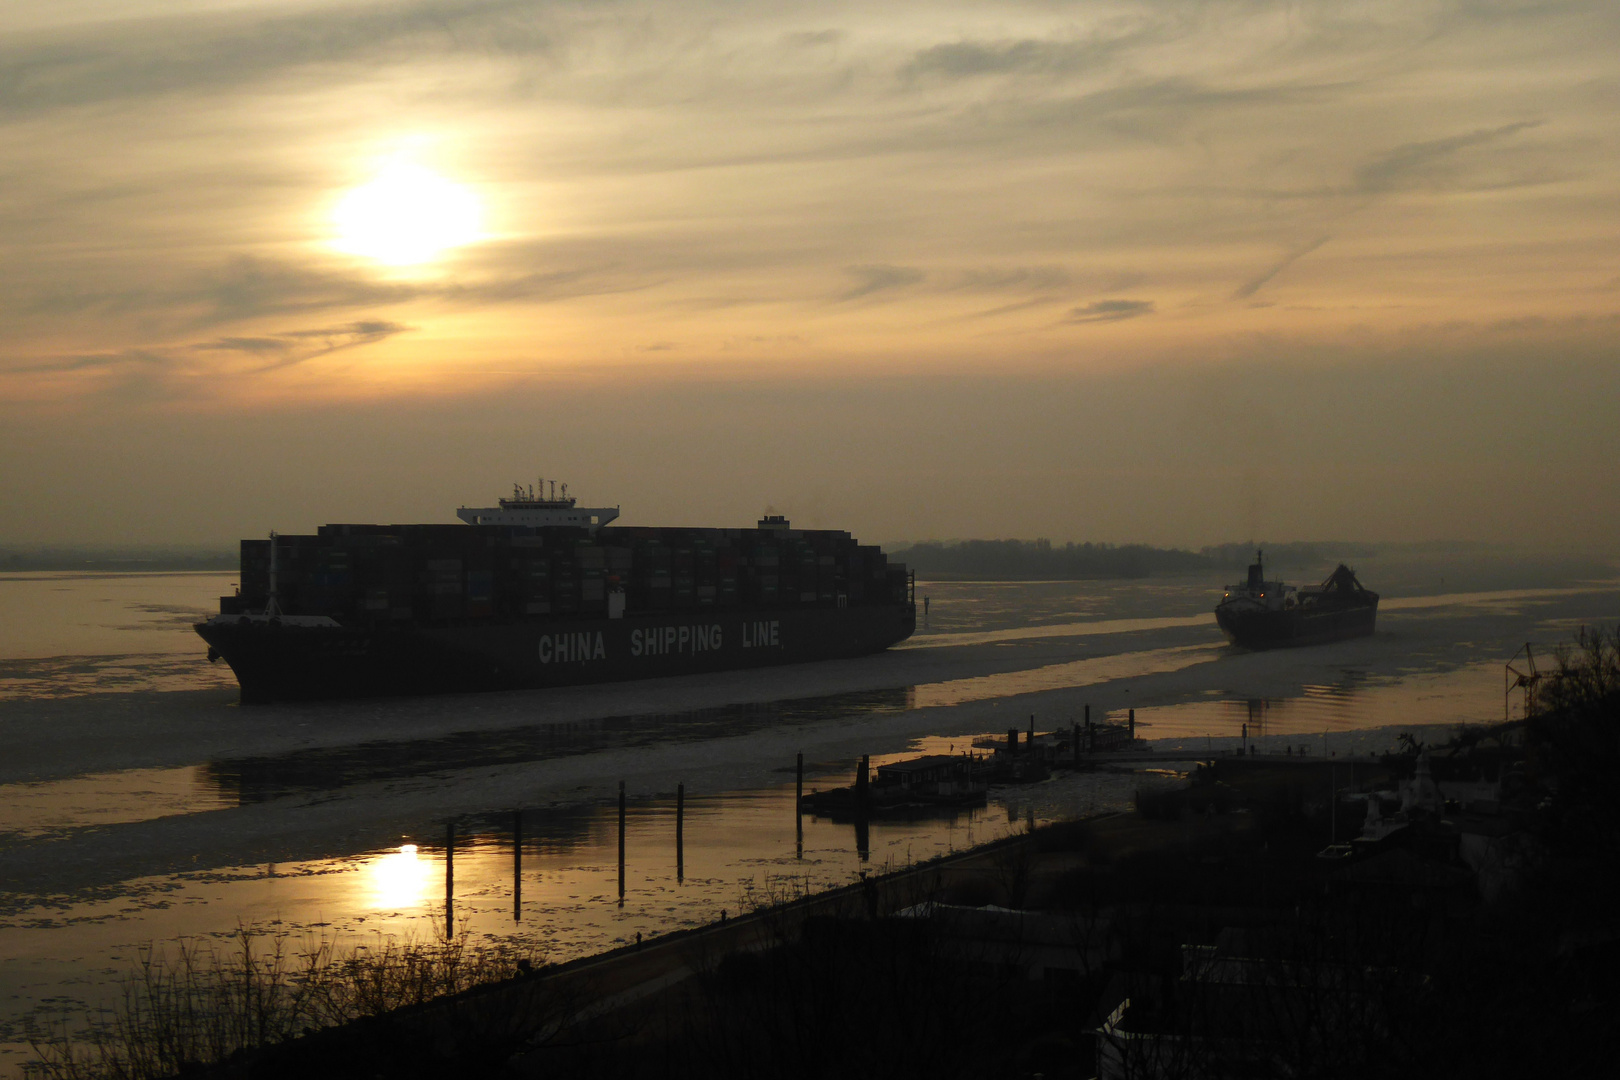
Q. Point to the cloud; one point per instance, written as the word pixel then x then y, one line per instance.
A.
pixel 246 288
pixel 809 39
pixel 99 361
pixel 1412 163
pixel 1013 308
pixel 284 347
pixel 880 277
pixel 125 59
pixel 296 346
pixel 1110 311
pixel 1254 285
pixel 970 59
pixel 1011 279
pixel 194 371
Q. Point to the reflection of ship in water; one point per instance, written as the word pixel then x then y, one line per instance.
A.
pixel 1261 614
pixel 258 779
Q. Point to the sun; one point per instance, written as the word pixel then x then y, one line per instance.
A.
pixel 407 216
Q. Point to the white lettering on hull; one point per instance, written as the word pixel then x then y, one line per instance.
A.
pixel 762 635
pixel 576 647
pixel 664 640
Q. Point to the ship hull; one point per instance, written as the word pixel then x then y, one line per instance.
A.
pixel 280 663
pixel 1295 626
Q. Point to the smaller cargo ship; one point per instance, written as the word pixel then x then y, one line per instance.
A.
pixel 1261 614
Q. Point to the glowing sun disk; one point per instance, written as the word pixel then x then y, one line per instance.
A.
pixel 408 215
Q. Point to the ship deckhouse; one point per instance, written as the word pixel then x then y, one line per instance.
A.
pixel 535 508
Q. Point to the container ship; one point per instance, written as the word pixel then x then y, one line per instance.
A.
pixel 1261 614
pixel 539 592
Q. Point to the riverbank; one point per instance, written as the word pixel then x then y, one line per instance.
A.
pixel 1221 926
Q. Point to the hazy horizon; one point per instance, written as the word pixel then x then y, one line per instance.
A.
pixel 1171 273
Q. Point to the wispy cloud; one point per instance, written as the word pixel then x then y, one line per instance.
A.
pixel 137 58
pixel 1110 311
pixel 1414 163
pixel 296 346
pixel 1013 279
pixel 247 288
pixel 1255 284
pixel 967 59
pixel 880 277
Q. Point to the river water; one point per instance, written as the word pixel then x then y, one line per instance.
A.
pixel 140 804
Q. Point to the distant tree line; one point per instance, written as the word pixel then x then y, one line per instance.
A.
pixel 1014 560
pixel 1026 560
pixel 115 560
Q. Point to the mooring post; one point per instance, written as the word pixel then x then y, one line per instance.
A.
pixel 1032 728
pixel 798 807
pixel 1133 725
pixel 863 847
pixel 517 866
pixel 1245 740
pixel 621 843
pixel 1074 735
pixel 449 880
pixel 680 840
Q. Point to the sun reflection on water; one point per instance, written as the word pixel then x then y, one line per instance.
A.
pixel 399 879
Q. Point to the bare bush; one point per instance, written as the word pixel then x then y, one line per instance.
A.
pixel 196 1003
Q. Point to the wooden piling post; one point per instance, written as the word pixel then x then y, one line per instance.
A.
pixel 680 839
pixel 517 866
pixel 449 880
pixel 621 843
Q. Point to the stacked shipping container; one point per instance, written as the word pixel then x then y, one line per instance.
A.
pixel 364 574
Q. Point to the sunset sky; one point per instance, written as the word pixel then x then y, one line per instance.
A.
pixel 1146 270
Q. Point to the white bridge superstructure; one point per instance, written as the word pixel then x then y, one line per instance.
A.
pixel 533 508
